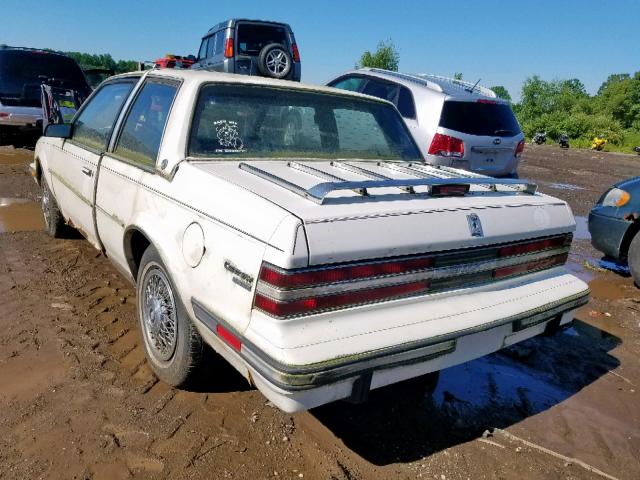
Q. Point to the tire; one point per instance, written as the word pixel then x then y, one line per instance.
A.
pixel 274 61
pixel 633 258
pixel 173 346
pixel 53 220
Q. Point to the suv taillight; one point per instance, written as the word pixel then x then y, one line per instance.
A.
pixel 228 48
pixel 520 148
pixel 446 146
pixel 296 53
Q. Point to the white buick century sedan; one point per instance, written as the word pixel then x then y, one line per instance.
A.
pixel 298 231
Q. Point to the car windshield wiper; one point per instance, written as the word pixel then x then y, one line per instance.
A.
pixel 498 132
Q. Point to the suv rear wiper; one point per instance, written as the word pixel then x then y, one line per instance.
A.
pixel 498 132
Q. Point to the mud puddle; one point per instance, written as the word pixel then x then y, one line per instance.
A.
pixel 582 229
pixel 10 156
pixel 565 186
pixel 19 215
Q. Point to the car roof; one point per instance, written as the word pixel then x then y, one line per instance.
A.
pixel 205 76
pixel 8 48
pixel 435 83
pixel 232 21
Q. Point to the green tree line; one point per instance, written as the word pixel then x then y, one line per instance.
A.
pixel 104 60
pixel 564 106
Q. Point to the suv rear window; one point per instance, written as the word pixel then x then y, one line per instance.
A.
pixel 252 38
pixel 23 71
pixel 479 118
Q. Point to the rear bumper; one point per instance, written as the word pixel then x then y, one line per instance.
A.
pixel 607 233
pixel 20 116
pixel 510 168
pixel 294 386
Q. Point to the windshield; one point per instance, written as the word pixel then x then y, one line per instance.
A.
pixel 479 118
pixel 249 121
pixel 20 69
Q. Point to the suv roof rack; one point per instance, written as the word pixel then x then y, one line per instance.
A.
pixel 318 192
pixel 446 85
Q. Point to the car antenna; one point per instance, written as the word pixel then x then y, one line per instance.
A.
pixel 470 90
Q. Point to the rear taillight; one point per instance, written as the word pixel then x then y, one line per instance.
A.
pixel 523 268
pixel 307 306
pixel 296 53
pixel 446 146
pixel 228 48
pixel 283 279
pixel 520 148
pixel 289 293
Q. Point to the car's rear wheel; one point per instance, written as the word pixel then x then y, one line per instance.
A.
pixel 274 61
pixel 173 346
pixel 633 257
pixel 53 219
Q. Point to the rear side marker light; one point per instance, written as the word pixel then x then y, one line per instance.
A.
pixel 229 337
pixel 296 53
pixel 228 48
pixel 446 146
pixel 341 300
pixel 332 275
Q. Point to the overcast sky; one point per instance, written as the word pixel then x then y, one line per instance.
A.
pixel 499 42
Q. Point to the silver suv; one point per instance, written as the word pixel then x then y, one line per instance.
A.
pixel 22 72
pixel 455 123
pixel 251 47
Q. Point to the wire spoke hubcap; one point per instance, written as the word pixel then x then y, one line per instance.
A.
pixel 159 314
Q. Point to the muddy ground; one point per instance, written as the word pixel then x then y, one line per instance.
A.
pixel 77 399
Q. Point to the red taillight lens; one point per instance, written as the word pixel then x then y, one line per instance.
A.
pixel 523 248
pixel 450 190
pixel 520 148
pixel 483 100
pixel 446 146
pixel 341 300
pixel 228 48
pixel 296 53
pixel 339 274
pixel 531 266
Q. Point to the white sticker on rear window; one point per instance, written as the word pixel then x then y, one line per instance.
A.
pixel 228 136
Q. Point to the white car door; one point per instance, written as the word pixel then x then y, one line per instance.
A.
pixel 131 165
pixel 74 167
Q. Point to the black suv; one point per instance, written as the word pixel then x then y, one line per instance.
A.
pixel 251 47
pixel 22 72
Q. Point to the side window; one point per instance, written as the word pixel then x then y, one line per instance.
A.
pixel 202 53
pixel 219 42
pixel 139 140
pixel 211 46
pixel 386 91
pixel 352 84
pixel 93 126
pixel 405 103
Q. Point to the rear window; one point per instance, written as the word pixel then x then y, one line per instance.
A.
pixel 252 38
pixel 22 71
pixel 260 122
pixel 479 118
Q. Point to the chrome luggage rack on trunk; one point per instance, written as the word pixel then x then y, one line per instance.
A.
pixel 428 176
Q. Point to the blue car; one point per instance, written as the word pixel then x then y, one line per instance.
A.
pixel 614 223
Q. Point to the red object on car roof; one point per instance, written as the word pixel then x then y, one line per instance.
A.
pixel 175 61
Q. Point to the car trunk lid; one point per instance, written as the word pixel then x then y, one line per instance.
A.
pixel 395 213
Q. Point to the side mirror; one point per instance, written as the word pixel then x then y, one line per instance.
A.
pixel 58 130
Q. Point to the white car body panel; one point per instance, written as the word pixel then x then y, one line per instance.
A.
pixel 244 220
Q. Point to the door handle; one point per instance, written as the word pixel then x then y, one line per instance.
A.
pixel 87 171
